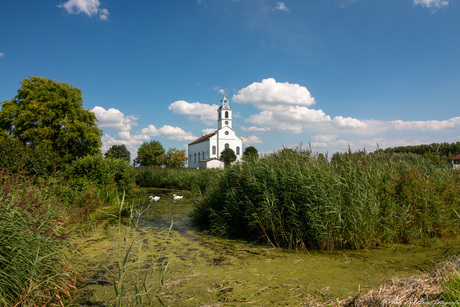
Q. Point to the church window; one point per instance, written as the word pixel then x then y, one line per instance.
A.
pixel 237 150
pixel 227 146
pixel 226 114
pixel 194 157
pixel 199 159
pixel 213 150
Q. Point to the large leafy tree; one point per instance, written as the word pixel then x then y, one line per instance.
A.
pixel 118 152
pixel 51 114
pixel 175 158
pixel 227 156
pixel 151 154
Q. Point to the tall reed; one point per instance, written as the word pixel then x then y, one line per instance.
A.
pixel 300 200
pixel 34 262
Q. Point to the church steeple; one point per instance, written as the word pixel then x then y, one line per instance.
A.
pixel 224 114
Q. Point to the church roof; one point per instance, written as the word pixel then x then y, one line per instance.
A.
pixel 457 157
pixel 203 138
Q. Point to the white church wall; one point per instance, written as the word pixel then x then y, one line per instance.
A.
pixel 198 152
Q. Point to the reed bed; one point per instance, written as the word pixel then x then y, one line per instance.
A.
pixel 182 179
pixel 299 200
pixel 34 258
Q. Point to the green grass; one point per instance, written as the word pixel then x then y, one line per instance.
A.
pixel 299 200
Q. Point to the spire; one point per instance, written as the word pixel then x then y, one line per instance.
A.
pixel 224 100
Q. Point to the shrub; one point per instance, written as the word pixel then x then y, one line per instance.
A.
pixel 100 171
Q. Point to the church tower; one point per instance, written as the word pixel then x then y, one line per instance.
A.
pixel 224 114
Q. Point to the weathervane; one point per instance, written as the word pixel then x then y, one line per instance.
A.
pixel 224 100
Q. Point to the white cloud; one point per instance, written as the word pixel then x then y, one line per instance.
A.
pixel 169 132
pixel 270 94
pixel 348 122
pixel 324 137
pixel 281 7
pixel 253 139
pixel 206 113
pixel 432 4
pixel 2 55
pixel 254 129
pixel 88 7
pixel 431 125
pixel 114 119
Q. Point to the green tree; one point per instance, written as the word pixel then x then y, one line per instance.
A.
pixel 151 154
pixel 250 153
pixel 50 113
pixel 175 158
pixel 227 156
pixel 118 152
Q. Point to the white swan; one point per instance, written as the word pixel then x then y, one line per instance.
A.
pixel 176 197
pixel 156 198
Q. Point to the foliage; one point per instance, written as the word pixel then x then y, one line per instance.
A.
pixel 151 154
pixel 250 152
pixel 97 170
pixel 118 152
pixel 436 151
pixel 227 156
pixel 34 268
pixel 297 199
pixel 36 160
pixel 175 158
pixel 50 113
pixel 184 178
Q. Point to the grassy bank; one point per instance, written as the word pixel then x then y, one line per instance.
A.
pixel 299 200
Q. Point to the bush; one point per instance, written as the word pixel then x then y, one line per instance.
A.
pixel 100 171
pixel 296 199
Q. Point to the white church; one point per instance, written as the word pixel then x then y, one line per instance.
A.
pixel 205 151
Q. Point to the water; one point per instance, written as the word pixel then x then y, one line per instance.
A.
pixel 205 270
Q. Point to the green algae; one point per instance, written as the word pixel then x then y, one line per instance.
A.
pixel 205 270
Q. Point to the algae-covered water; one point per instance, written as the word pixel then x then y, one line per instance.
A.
pixel 205 270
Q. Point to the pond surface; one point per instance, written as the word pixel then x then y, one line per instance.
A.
pixel 207 271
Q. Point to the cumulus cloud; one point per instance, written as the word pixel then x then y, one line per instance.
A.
pixel 205 112
pixel 348 122
pixel 252 139
pixel 432 4
pixel 431 125
pixel 123 125
pixel 270 94
pixel 88 7
pixel 114 119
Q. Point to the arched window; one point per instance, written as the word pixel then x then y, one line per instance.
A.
pixel 213 150
pixel 237 150
pixel 227 146
pixel 194 155
pixel 226 114
pixel 199 159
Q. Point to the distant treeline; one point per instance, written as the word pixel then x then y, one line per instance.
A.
pixel 437 152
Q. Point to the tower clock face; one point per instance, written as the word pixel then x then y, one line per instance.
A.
pixel 226 122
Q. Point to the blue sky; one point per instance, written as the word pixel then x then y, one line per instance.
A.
pixel 329 73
